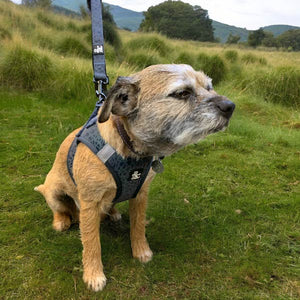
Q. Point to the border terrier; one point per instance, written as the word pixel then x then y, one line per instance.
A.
pixel 162 108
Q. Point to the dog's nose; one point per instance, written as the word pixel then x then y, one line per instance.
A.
pixel 226 107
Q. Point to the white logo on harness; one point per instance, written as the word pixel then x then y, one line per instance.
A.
pixel 136 175
pixel 98 49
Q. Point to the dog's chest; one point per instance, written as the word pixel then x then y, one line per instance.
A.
pixel 128 173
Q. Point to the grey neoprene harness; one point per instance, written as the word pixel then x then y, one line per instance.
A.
pixel 129 173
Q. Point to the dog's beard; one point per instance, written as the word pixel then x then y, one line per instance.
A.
pixel 165 131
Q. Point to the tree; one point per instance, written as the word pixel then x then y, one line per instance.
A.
pixel 269 40
pixel 177 19
pixel 40 3
pixel 290 39
pixel 233 39
pixel 256 37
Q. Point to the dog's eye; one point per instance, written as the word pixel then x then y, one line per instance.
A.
pixel 123 97
pixel 185 94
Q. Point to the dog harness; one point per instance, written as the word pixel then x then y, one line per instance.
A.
pixel 129 173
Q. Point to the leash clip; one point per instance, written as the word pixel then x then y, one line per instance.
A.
pixel 100 89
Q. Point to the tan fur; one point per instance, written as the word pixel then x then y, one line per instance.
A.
pixel 148 92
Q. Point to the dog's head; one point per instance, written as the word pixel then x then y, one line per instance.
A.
pixel 166 107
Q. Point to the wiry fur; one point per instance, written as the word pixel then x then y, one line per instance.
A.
pixel 159 122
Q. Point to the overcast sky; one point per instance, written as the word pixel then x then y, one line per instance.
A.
pixel 251 14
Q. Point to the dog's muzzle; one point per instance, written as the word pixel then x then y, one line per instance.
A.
pixel 224 106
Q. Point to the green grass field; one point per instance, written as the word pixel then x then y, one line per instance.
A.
pixel 224 217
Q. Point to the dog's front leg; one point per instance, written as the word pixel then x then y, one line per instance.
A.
pixel 90 214
pixel 137 210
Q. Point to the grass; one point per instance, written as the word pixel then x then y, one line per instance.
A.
pixel 224 217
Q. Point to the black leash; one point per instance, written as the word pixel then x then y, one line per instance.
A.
pixel 100 77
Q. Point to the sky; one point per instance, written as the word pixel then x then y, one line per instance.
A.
pixel 250 14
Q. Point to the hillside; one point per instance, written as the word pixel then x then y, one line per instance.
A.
pixel 222 31
pixel 279 29
pixel 129 19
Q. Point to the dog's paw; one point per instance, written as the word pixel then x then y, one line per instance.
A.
pixel 61 222
pixel 115 217
pixel 96 282
pixel 143 253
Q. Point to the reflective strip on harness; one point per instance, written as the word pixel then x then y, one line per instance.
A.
pixel 106 152
pixel 129 173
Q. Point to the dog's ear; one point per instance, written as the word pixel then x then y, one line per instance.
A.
pixel 121 99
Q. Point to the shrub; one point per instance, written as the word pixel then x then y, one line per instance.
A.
pixel 185 58
pixel 26 69
pixel 213 66
pixel 231 55
pixel 71 46
pixel 149 42
pixel 281 85
pixel 142 60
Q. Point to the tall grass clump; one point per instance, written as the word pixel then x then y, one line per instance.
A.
pixel 250 58
pixel 72 46
pixel 4 34
pixel 70 83
pixel 231 55
pixel 48 21
pixel 26 69
pixel 142 59
pixel 213 66
pixel 185 58
pixel 279 85
pixel 150 43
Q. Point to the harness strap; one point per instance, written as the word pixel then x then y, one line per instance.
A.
pixel 129 173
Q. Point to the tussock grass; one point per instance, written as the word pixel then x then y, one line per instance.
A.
pixel 185 58
pixel 213 66
pixel 72 46
pixel 26 69
pixel 280 85
pixel 142 59
pixel 231 55
pixel 151 42
pixel 48 21
pixel 250 58
pixel 4 33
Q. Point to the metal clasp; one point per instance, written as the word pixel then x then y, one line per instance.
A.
pixel 100 88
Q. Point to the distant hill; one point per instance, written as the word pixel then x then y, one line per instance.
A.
pixel 222 31
pixel 279 29
pixel 126 18
pixel 129 19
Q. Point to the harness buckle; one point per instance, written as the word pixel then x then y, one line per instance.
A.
pixel 100 89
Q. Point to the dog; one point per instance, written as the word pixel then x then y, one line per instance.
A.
pixel 162 108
